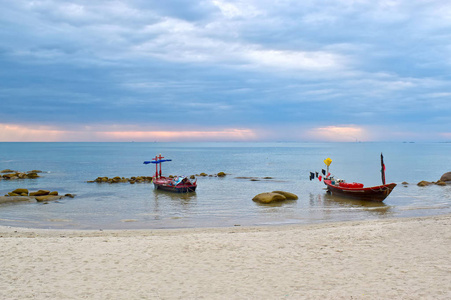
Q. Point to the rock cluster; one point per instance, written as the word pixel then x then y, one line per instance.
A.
pixel 427 183
pixel 11 174
pixel 255 178
pixel 220 174
pixel 117 179
pixel 274 196
pixel 444 180
pixel 40 196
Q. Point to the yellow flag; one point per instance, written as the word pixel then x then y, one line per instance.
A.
pixel 328 161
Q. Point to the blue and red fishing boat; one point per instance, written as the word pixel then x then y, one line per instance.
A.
pixel 177 184
pixel 355 190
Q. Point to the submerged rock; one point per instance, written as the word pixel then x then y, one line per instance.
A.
pixel 19 175
pixel 118 179
pixel 47 198
pixel 8 199
pixel 39 196
pixel 35 171
pixel 40 193
pixel 21 191
pixel 32 175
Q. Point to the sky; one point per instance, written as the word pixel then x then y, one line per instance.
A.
pixel 217 70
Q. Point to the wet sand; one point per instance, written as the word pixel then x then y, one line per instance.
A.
pixel 382 259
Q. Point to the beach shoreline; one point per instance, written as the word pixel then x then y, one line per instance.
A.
pixel 403 258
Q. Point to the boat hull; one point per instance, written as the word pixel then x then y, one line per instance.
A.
pixel 182 189
pixel 374 193
pixel 164 184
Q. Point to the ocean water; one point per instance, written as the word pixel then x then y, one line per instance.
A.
pixel 219 202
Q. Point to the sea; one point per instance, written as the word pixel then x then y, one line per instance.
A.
pixel 251 168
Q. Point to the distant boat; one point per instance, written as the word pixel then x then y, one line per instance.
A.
pixel 178 184
pixel 356 190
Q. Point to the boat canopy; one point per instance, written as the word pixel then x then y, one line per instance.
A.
pixel 156 161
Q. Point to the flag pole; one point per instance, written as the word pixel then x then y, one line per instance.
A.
pixel 382 169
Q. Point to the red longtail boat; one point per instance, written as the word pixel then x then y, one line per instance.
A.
pixel 357 190
pixel 353 190
pixel 177 184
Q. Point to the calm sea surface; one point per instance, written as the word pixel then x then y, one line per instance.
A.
pixel 219 202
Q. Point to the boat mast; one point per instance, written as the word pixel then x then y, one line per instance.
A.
pixel 382 169
pixel 157 162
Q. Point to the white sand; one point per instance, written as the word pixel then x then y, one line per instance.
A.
pixel 385 259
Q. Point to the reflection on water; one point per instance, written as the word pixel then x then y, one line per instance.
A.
pixel 370 206
pixel 277 203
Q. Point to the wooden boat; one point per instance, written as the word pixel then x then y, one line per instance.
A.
pixel 373 193
pixel 178 184
pixel 357 190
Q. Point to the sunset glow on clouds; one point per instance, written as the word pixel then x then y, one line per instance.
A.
pixel 338 134
pixel 17 133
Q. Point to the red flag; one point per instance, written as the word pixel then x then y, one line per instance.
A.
pixel 320 177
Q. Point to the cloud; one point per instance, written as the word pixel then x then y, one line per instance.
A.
pixel 226 64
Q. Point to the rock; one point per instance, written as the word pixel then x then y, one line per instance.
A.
pixel 69 195
pixel 269 197
pixel 8 199
pixel 21 191
pixel 34 171
pixel 203 174
pixel 47 198
pixel 10 176
pixel 192 177
pixel 442 183
pixel 8 171
pixel 54 193
pixel 289 196
pixel 32 175
pixel 405 183
pixel 446 177
pixel 40 193
pixel 424 183
pixel 13 194
pixel 221 174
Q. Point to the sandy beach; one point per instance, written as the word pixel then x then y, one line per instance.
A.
pixel 383 259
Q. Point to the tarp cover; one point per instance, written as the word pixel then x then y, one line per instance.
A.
pixel 156 161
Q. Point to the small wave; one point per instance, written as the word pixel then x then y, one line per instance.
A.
pixel 58 220
pixel 424 207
